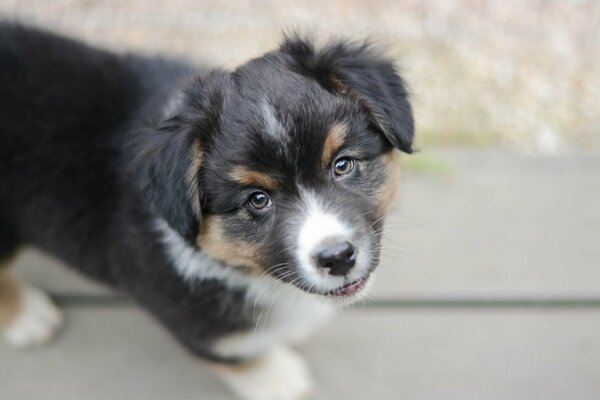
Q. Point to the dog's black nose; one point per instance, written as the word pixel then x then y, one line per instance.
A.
pixel 338 259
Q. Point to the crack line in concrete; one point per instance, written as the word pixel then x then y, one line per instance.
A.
pixel 87 300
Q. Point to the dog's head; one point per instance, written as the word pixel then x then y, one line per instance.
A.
pixel 286 166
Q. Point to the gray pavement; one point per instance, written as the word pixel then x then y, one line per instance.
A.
pixel 491 226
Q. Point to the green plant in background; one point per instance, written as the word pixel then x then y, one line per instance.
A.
pixel 427 164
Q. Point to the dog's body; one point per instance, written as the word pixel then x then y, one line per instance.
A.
pixel 202 197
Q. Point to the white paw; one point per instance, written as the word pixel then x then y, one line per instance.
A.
pixel 37 322
pixel 279 375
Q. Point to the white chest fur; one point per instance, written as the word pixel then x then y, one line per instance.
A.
pixel 282 312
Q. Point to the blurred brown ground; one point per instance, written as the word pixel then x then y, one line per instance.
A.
pixel 524 75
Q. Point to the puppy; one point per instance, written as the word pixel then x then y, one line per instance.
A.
pixel 238 207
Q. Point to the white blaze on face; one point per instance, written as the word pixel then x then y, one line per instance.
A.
pixel 317 229
pixel 273 127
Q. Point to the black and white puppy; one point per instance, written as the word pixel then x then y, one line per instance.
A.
pixel 238 207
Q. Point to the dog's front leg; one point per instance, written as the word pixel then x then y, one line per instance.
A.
pixel 27 315
pixel 279 374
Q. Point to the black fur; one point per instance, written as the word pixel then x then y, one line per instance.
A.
pixel 365 73
pixel 89 160
pixel 163 153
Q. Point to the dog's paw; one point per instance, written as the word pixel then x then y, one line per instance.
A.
pixel 37 322
pixel 280 375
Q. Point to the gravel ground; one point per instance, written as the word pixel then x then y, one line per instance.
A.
pixel 520 74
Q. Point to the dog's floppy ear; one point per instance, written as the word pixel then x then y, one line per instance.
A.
pixel 360 71
pixel 167 158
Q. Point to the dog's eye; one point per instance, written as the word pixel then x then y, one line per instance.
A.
pixel 343 166
pixel 259 201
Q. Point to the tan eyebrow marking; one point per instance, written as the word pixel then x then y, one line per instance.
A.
pixel 334 140
pixel 249 177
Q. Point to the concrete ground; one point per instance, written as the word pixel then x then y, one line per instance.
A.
pixel 489 289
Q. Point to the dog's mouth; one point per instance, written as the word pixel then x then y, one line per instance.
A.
pixel 349 289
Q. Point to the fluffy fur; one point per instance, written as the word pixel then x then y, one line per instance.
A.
pixel 215 199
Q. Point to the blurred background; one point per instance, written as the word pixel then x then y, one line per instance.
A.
pixel 518 74
pixel 490 282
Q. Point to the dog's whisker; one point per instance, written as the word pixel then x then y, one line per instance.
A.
pixel 272 294
pixel 376 221
pixel 396 250
pixel 272 302
pixel 269 285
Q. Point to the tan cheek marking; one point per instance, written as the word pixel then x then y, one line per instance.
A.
pixel 249 177
pixel 192 176
pixel 9 298
pixel 232 252
pixel 388 192
pixel 334 140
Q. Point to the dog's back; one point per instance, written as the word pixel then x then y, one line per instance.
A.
pixel 53 88
pixel 60 103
